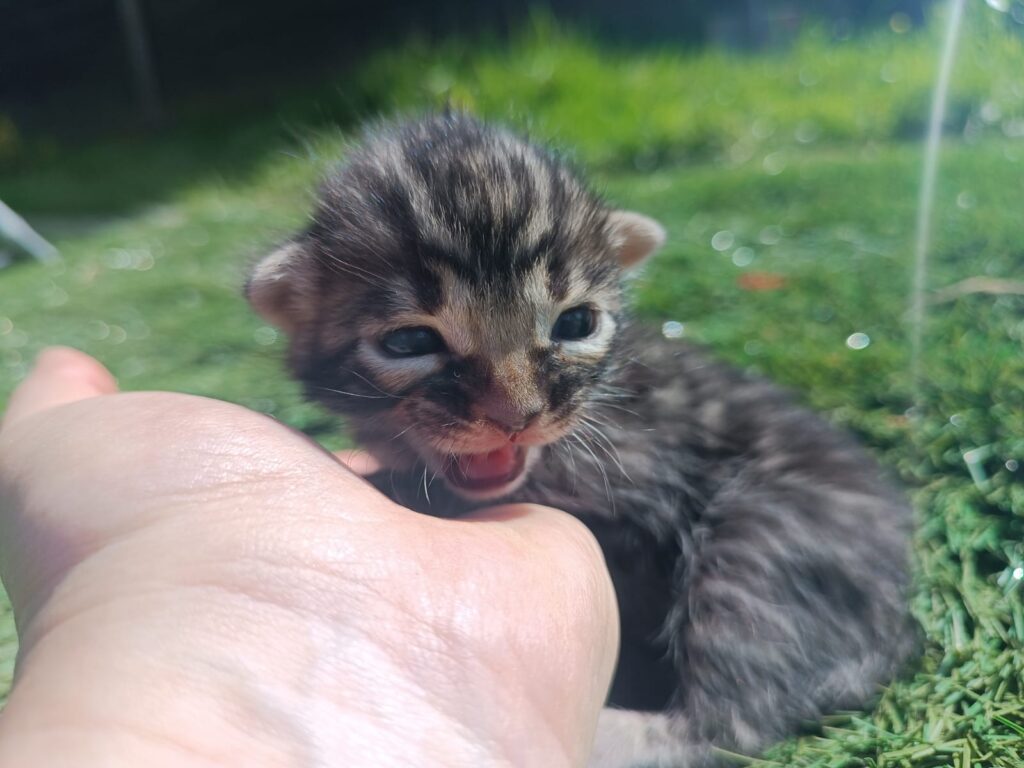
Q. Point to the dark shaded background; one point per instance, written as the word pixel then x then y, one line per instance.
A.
pixel 64 66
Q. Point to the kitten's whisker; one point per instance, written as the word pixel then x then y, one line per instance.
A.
pixel 352 394
pixel 612 456
pixel 403 432
pixel 370 383
pixel 353 273
pixel 426 490
pixel 603 400
pixel 600 468
pixel 619 408
pixel 563 444
pixel 590 417
pixel 602 441
pixel 349 268
pixel 357 268
pixel 433 477
pixel 604 422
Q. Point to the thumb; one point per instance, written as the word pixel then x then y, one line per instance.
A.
pixel 61 375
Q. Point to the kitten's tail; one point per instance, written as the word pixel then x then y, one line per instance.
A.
pixel 630 739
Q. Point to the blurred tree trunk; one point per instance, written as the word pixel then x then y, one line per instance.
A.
pixel 147 92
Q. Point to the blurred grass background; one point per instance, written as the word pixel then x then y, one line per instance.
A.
pixel 787 181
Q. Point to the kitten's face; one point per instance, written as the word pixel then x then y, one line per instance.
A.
pixel 457 298
pixel 477 385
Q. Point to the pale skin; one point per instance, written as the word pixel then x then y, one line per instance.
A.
pixel 197 585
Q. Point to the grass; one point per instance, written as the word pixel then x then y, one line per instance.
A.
pixel 787 182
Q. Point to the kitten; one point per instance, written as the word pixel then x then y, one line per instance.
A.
pixel 458 296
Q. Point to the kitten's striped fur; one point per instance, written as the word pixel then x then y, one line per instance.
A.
pixel 760 560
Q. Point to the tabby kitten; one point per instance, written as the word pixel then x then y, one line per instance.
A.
pixel 458 296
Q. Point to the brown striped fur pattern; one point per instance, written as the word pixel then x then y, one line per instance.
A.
pixel 759 557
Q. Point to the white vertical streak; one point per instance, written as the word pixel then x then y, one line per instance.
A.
pixel 926 198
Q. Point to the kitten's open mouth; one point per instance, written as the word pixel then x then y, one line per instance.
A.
pixel 487 472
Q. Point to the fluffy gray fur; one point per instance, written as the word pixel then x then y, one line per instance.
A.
pixel 759 556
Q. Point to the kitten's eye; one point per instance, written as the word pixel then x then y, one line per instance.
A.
pixel 574 324
pixel 412 342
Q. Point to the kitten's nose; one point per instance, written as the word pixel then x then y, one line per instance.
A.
pixel 514 428
pixel 508 416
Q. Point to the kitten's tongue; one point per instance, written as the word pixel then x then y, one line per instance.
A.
pixel 487 472
pixel 485 466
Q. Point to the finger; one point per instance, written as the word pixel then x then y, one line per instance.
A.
pixel 544 525
pixel 575 563
pixel 360 462
pixel 60 376
pixel 550 534
pixel 547 530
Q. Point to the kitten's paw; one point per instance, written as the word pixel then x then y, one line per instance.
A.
pixel 360 461
pixel 630 739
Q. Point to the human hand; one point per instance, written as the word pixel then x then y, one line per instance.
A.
pixel 196 584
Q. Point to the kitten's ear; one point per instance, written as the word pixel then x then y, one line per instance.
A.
pixel 273 287
pixel 634 236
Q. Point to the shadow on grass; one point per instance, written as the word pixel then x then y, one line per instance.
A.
pixel 69 188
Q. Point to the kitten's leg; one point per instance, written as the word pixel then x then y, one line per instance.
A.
pixel 790 603
pixel 630 739
pixel 793 604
